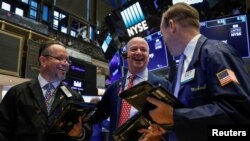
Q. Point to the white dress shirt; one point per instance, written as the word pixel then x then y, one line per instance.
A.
pixel 188 52
pixel 142 76
pixel 44 82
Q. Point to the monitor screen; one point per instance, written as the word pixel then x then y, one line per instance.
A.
pixel 77 69
pixel 115 67
pixel 82 77
pixel 106 42
pixel 157 52
pixel 75 78
pixel 75 84
pixel 232 30
pixel 6 6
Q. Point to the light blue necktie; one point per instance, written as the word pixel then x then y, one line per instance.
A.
pixel 178 81
pixel 49 96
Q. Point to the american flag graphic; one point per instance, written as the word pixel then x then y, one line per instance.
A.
pixel 226 76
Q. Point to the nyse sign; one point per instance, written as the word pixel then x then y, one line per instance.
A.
pixel 134 19
pixel 140 27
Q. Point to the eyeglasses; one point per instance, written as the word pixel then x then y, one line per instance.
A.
pixel 61 59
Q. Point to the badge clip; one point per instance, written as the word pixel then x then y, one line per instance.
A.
pixel 66 91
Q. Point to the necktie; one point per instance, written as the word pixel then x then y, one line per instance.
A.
pixel 49 96
pixel 125 106
pixel 178 80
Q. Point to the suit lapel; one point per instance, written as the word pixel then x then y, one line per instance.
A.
pixel 197 51
pixel 153 79
pixel 59 97
pixel 38 94
pixel 196 55
pixel 150 77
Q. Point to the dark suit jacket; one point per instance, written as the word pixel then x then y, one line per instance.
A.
pixel 23 114
pixel 207 102
pixel 110 104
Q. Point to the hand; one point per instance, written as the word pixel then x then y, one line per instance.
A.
pixel 77 130
pixel 153 133
pixel 163 113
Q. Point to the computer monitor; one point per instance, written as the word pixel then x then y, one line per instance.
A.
pixel 82 77
pixel 232 30
pixel 158 57
pixel 75 84
pixel 106 43
pixel 115 67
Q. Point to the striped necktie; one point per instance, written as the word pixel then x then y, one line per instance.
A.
pixel 49 95
pixel 125 106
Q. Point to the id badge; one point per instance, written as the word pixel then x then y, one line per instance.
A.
pixel 188 76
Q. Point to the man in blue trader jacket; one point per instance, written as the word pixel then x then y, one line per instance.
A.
pixel 213 85
pixel 137 58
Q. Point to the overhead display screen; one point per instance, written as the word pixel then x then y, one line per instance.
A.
pixel 158 52
pixel 232 30
pixel 115 67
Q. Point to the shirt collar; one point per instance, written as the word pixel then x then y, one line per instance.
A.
pixel 43 82
pixel 189 50
pixel 143 74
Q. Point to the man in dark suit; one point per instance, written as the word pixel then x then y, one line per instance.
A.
pixel 213 82
pixel 25 111
pixel 137 58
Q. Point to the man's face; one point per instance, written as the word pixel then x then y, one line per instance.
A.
pixel 169 37
pixel 137 55
pixel 56 64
